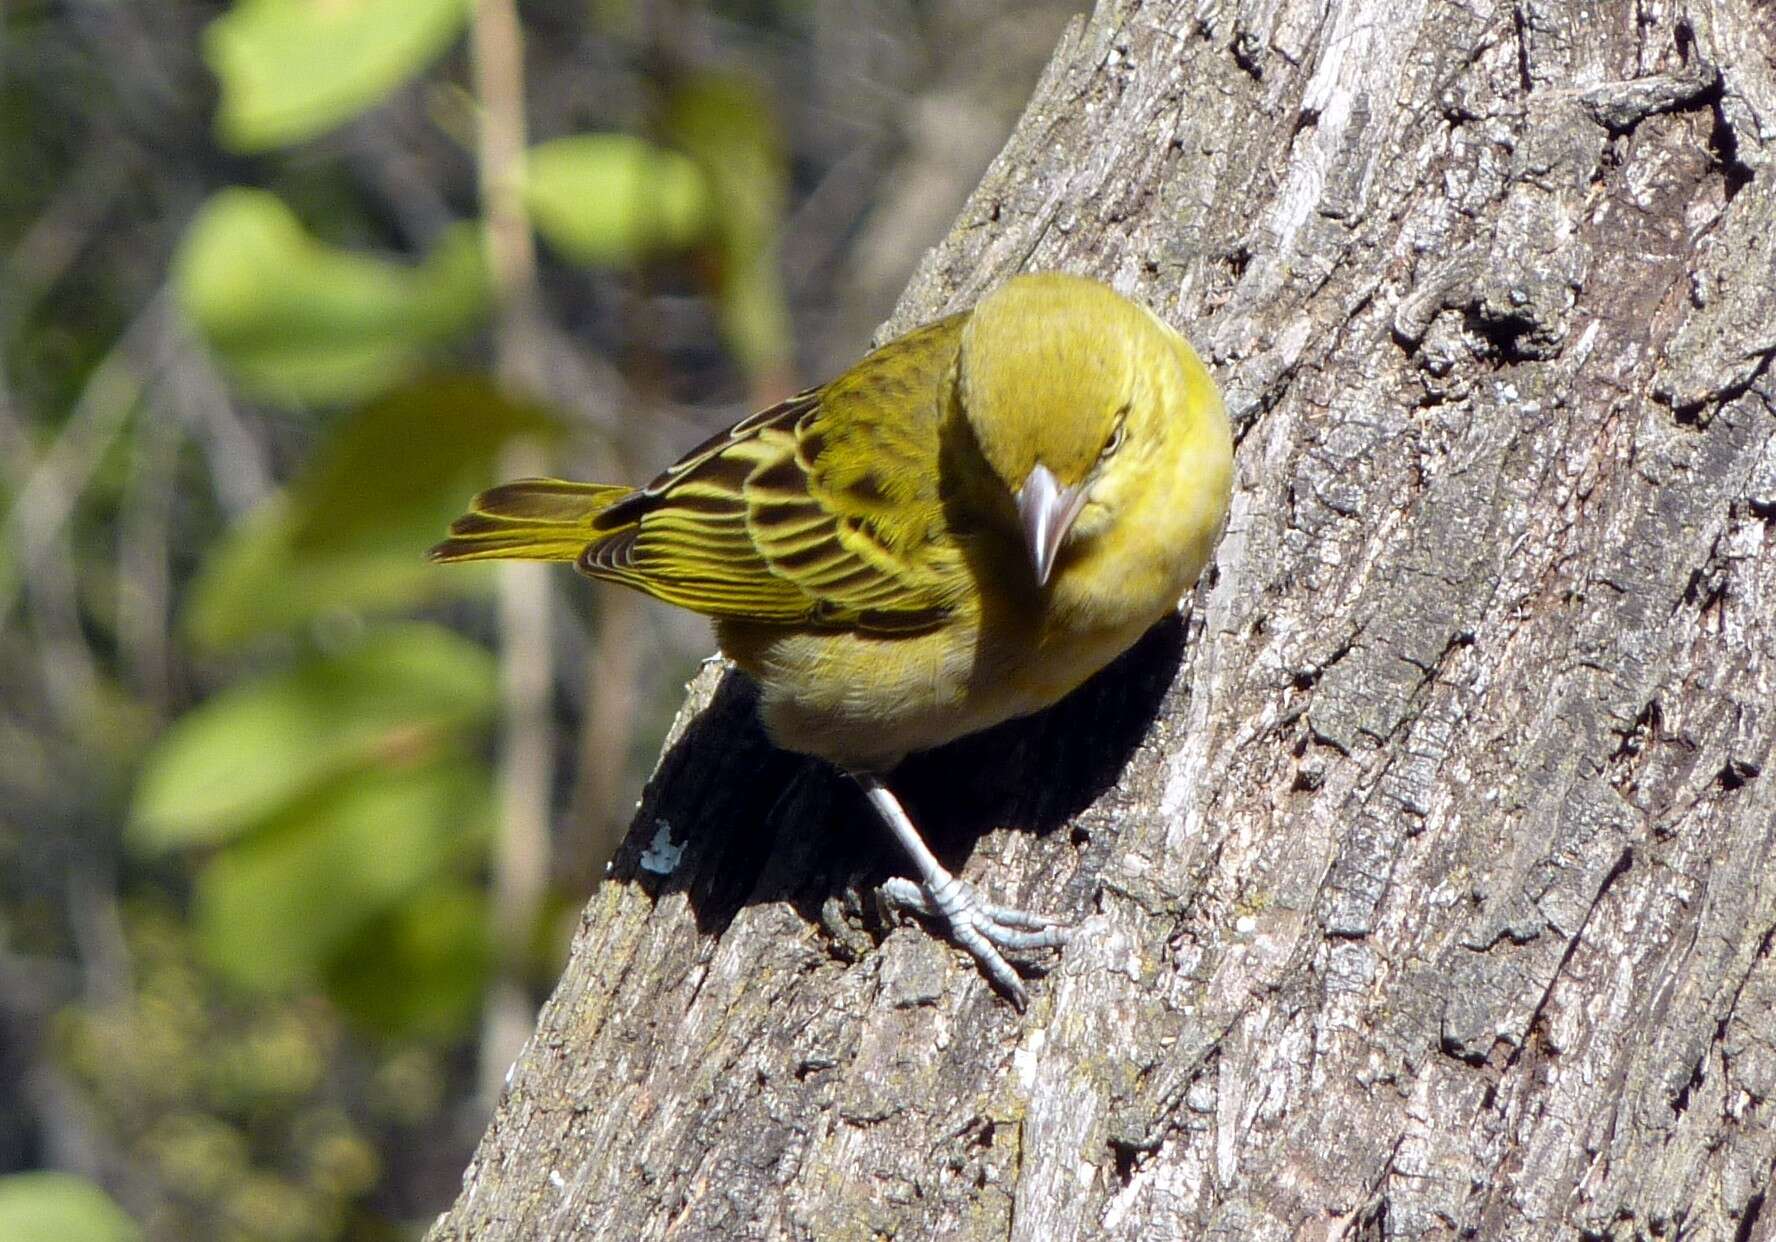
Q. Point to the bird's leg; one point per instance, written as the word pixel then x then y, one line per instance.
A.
pixel 978 926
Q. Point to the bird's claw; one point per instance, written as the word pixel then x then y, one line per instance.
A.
pixel 980 927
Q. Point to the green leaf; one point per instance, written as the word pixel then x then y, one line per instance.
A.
pixel 725 123
pixel 60 1207
pixel 611 198
pixel 351 531
pixel 273 910
pixel 254 750
pixel 291 69
pixel 297 322
pixel 420 970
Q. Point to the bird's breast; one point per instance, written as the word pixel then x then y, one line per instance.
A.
pixel 863 700
pixel 866 701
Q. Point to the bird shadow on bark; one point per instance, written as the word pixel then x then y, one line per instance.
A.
pixel 757 824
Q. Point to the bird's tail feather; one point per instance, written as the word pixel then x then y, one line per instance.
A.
pixel 530 520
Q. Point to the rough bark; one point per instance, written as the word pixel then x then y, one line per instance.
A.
pixel 1424 871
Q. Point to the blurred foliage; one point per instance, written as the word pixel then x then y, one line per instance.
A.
pixel 436 944
pixel 351 529
pixel 243 1114
pixel 291 69
pixel 606 199
pixel 246 365
pixel 280 908
pixel 259 749
pixel 298 322
pixel 344 801
pixel 725 123
pixel 60 1207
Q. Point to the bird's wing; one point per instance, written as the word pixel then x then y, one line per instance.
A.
pixel 823 510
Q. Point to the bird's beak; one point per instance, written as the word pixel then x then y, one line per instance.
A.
pixel 1047 511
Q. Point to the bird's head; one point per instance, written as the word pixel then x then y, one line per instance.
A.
pixel 1062 382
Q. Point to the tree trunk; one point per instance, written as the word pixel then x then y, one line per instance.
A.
pixel 1423 873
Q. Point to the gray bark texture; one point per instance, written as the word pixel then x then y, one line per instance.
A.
pixel 1423 870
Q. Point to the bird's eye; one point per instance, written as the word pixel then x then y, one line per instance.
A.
pixel 1116 434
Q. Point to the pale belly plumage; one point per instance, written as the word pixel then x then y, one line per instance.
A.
pixel 867 703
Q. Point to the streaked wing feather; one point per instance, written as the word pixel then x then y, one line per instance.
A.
pixel 822 510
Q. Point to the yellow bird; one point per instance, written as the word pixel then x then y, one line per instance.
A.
pixel 958 530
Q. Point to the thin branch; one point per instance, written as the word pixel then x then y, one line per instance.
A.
pixel 144 576
pixel 240 475
pixel 96 918
pixel 67 666
pixel 521 849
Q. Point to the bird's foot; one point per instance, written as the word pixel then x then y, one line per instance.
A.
pixel 980 927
